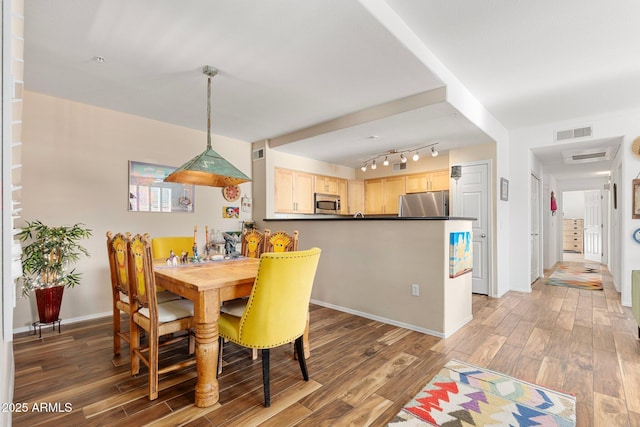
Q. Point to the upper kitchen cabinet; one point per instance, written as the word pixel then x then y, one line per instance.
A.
pixel 355 197
pixel 428 181
pixel 326 184
pixel 381 195
pixel 293 191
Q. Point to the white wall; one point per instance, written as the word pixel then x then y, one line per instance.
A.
pixel 623 125
pixel 75 169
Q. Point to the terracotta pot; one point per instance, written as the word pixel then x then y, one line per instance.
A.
pixel 49 301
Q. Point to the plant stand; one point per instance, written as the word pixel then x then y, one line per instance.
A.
pixel 38 324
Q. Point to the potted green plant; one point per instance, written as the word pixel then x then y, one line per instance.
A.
pixel 46 259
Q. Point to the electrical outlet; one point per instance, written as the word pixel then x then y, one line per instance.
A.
pixel 415 290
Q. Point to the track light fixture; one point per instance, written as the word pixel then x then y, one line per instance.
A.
pixel 403 158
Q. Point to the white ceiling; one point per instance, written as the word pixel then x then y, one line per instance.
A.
pixel 286 65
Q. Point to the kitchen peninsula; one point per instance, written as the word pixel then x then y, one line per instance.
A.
pixel 370 267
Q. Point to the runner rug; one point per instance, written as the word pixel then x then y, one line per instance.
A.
pixel 465 395
pixel 583 277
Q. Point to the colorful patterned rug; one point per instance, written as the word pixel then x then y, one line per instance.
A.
pixel 584 277
pixel 465 395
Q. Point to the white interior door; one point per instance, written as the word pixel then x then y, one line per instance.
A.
pixel 535 228
pixel 592 225
pixel 471 199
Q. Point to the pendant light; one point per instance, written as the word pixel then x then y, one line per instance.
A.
pixel 208 168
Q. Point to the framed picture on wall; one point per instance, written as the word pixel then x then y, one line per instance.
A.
pixel 636 199
pixel 504 189
pixel 149 193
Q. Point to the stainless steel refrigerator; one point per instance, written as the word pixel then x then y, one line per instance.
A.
pixel 430 204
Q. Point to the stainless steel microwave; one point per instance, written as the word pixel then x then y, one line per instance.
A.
pixel 326 203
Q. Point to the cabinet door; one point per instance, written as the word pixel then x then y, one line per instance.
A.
pixel 303 192
pixel 343 192
pixel 355 190
pixel 283 191
pixel 417 183
pixel 373 196
pixel 393 188
pixel 439 180
pixel 326 184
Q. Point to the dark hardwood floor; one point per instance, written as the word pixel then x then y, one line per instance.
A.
pixel 362 371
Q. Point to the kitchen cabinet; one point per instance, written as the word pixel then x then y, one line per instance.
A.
pixel 355 197
pixel 381 195
pixel 325 184
pixel 343 192
pixel 572 235
pixel 427 181
pixel 293 191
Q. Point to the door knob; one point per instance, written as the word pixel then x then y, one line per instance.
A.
pixel 483 235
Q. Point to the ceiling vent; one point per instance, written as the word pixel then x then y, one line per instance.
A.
pixel 577 157
pixel 563 135
pixel 573 157
pixel 397 167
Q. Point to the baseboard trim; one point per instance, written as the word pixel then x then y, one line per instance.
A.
pixel 67 321
pixel 389 321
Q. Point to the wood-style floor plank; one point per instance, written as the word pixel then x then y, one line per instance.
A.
pixel 361 371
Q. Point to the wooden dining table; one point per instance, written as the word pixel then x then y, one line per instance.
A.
pixel 208 284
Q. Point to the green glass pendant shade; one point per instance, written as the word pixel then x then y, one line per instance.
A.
pixel 208 168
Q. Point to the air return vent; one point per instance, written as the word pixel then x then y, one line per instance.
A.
pixel 258 154
pixel 563 135
pixel 396 167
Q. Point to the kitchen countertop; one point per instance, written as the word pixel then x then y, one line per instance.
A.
pixel 371 218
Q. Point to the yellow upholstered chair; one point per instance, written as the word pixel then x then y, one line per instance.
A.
pixel 279 241
pixel 635 297
pixel 276 312
pixel 156 319
pixel 161 247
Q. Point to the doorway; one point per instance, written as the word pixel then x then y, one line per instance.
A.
pixel 471 198
pixel 582 225
pixel 535 228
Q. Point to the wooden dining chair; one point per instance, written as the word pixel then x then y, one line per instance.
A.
pixel 280 241
pixel 118 252
pixel 252 243
pixel 118 265
pixel 276 313
pixel 155 319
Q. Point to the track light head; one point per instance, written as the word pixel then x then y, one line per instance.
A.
pixel 434 152
pixel 403 159
pixel 416 157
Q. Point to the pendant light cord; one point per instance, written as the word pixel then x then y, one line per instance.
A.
pixel 209 113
